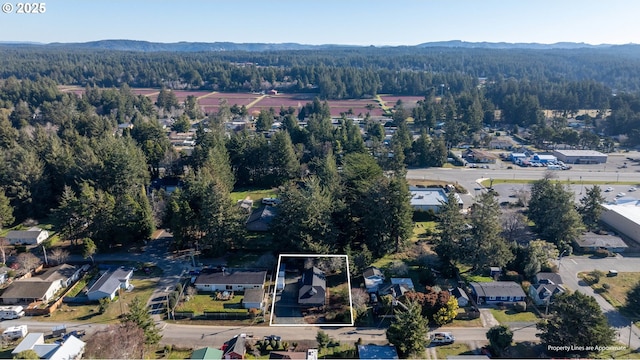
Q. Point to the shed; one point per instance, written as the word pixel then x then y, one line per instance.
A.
pixel 461 296
pixel 253 299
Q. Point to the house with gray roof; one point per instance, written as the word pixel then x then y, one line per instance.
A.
pixel 226 280
pixel 543 293
pixel 430 199
pixel 497 292
pixel 373 278
pixel 461 296
pixel 109 283
pixel 41 286
pixel 261 218
pixel 253 299
pixel 313 288
pixel 32 236
pixel 547 278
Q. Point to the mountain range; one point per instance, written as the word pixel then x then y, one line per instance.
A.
pixel 147 46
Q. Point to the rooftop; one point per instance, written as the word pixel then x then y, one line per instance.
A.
pixel 377 352
pixel 580 153
pixel 603 241
pixel 230 278
pixel 498 288
pixel 110 280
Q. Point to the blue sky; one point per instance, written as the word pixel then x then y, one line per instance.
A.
pixel 354 22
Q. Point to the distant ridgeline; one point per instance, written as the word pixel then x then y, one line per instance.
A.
pixel 584 76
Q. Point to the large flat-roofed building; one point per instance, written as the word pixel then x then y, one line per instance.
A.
pixel 580 156
pixel 426 199
pixel 623 217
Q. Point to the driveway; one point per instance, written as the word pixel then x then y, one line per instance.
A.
pixel 286 310
pixel 570 266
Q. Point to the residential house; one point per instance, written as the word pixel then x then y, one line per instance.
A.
pixel 430 199
pixel 397 287
pixel 373 278
pixel 479 156
pixel 207 353
pixel 70 348
pixel 42 286
pixel 234 348
pixel 504 144
pixel 377 352
pixel 225 280
pixel 545 286
pixel 109 283
pixel 261 218
pixel 253 299
pixel 542 293
pixel 461 296
pixel 313 288
pixel 32 236
pixel 497 292
pixel 293 355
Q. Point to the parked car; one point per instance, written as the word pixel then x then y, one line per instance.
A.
pixel 632 189
pixel 442 338
pixel 609 189
pixel 273 337
pixel 619 195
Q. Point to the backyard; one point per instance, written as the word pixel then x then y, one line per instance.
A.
pixel 201 303
pixel 90 312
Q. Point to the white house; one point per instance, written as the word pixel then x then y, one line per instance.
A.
pixel 70 348
pixel 373 278
pixel 32 236
pixel 109 283
pixel 42 286
pixel 230 281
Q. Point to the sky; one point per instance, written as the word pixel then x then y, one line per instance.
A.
pixel 348 22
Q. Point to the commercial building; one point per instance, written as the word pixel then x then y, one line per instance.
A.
pixel 624 218
pixel 580 156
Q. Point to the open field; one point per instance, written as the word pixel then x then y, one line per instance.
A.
pixel 619 286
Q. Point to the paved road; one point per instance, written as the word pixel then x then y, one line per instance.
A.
pixel 570 266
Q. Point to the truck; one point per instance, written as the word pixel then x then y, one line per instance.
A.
pixel 11 312
pixel 442 338
pixel 15 332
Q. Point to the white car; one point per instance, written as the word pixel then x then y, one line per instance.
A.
pixel 631 189
pixel 619 195
pixel 609 189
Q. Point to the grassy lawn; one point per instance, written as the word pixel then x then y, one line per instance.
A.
pixel 173 353
pixel 507 316
pixel 204 302
pixel 619 286
pixel 453 349
pixel 89 313
pixel 255 194
pixel 616 354
pixel 464 323
pixel 421 230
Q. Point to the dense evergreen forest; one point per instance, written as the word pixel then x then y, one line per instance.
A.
pixel 62 156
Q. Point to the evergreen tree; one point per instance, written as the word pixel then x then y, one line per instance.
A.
pixel 284 162
pixel 591 207
pixel 139 315
pixel 451 230
pixel 485 246
pixel 6 210
pixel 408 331
pixel 264 122
pixel 500 337
pixel 552 210
pixel 570 311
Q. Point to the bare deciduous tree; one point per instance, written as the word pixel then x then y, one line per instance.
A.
pixel 28 261
pixel 514 226
pixel 117 341
pixel 59 256
pixel 3 249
